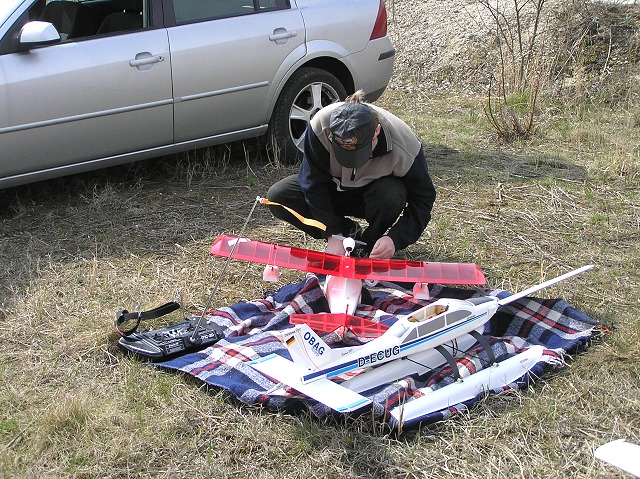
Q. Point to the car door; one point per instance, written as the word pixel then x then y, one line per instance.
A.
pixel 228 57
pixel 92 98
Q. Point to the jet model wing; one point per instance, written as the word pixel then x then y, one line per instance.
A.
pixel 346 266
pixel 621 454
pixel 329 322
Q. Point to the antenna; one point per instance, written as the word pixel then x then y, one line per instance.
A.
pixel 193 338
pixel 546 284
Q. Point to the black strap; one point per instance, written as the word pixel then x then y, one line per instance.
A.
pixel 138 316
pixel 484 342
pixel 452 362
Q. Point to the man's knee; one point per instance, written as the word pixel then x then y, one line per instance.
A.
pixel 282 191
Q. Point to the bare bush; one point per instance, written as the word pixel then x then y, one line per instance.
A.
pixel 514 86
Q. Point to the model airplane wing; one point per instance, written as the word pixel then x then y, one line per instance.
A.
pixel 621 454
pixel 329 322
pixel 327 392
pixel 345 266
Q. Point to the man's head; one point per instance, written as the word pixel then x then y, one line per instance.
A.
pixel 353 128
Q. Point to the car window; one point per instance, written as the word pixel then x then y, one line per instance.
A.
pixel 75 19
pixel 78 19
pixel 273 4
pixel 187 11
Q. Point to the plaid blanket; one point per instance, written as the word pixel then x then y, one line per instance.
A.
pixel 251 329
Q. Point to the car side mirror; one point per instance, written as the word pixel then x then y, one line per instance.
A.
pixel 35 34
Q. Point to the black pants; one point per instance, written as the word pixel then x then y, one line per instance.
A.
pixel 380 203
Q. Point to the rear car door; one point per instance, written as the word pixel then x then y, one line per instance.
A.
pixel 228 58
pixel 104 94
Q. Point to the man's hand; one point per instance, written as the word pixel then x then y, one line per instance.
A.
pixel 334 246
pixel 383 249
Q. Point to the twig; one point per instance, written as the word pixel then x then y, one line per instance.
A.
pixel 606 63
pixel 19 435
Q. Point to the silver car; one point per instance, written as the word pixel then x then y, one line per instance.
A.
pixel 90 84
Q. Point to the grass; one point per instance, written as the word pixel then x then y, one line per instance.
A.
pixel 74 251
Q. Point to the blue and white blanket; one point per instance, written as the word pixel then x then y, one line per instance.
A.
pixel 251 332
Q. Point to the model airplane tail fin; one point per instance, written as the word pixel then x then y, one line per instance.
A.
pixel 308 350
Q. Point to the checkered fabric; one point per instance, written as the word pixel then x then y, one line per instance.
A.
pixel 252 328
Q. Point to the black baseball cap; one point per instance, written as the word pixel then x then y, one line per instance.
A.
pixel 353 126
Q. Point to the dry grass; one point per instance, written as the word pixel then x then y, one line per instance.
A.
pixel 73 251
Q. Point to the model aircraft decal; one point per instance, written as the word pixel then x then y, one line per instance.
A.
pixel 347 266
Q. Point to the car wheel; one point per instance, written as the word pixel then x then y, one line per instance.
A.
pixel 306 92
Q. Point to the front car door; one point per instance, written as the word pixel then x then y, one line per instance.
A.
pixel 228 57
pixel 94 97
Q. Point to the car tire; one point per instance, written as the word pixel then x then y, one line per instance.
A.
pixel 307 91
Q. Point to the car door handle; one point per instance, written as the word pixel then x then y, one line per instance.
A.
pixel 282 34
pixel 145 60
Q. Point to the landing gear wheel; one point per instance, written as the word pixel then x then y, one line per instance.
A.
pixel 306 92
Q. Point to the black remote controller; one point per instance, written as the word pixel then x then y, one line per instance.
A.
pixel 173 340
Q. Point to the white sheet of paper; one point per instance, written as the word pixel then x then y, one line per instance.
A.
pixel 622 454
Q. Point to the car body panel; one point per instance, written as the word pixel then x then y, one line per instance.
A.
pixel 370 61
pixel 373 79
pixel 224 68
pixel 49 97
pixel 329 20
pixel 368 76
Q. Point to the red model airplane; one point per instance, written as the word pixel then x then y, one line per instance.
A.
pixel 343 292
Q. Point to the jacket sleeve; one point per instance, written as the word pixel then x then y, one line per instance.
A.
pixel 421 195
pixel 316 183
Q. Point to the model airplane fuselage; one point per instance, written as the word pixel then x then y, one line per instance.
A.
pixel 427 328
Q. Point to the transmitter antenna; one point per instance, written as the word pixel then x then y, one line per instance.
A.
pixel 194 337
